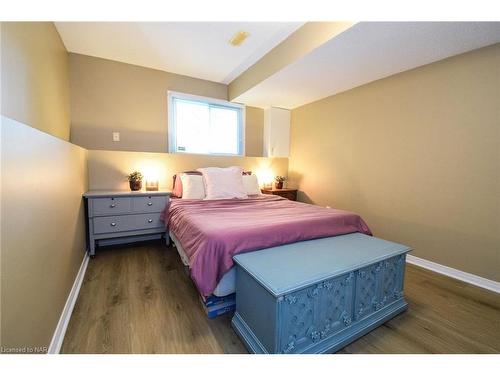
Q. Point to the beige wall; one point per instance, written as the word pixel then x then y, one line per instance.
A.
pixel 254 131
pixel 417 155
pixel 108 96
pixel 35 80
pixel 42 232
pixel 107 169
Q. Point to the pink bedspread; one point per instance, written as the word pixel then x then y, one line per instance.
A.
pixel 213 231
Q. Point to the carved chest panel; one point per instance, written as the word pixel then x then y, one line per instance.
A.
pixel 315 313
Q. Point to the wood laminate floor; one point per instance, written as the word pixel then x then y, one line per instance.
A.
pixel 138 299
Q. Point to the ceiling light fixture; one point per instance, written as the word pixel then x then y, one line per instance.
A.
pixel 238 38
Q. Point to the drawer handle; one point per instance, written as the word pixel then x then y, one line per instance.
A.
pixel 150 203
pixel 113 224
pixel 112 205
pixel 150 220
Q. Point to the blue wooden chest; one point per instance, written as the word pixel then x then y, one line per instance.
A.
pixel 317 296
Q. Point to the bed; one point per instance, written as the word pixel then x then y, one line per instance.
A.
pixel 208 233
pixel 307 279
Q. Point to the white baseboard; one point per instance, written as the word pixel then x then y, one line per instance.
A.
pixel 62 325
pixel 470 278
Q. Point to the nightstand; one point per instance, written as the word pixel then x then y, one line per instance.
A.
pixel 285 193
pixel 115 217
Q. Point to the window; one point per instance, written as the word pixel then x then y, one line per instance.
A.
pixel 199 125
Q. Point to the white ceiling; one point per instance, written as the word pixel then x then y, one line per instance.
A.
pixel 196 49
pixel 364 53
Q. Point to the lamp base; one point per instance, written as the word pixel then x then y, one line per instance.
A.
pixel 152 185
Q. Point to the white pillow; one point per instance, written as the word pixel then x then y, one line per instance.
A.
pixel 223 183
pixel 192 186
pixel 251 184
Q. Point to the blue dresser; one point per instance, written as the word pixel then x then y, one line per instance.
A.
pixel 115 217
pixel 317 296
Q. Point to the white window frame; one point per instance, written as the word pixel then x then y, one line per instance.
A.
pixel 172 142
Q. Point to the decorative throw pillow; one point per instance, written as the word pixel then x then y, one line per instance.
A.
pixel 192 186
pixel 251 184
pixel 177 183
pixel 223 183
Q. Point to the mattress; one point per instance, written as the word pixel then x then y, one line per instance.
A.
pixel 226 286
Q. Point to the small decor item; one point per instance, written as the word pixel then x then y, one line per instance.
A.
pixel 135 180
pixel 279 182
pixel 151 185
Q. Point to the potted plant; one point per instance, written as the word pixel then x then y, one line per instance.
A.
pixel 135 180
pixel 279 182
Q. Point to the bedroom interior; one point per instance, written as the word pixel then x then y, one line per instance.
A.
pixel 384 239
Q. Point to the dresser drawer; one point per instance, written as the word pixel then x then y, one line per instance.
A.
pixel 113 224
pixel 111 206
pixel 291 195
pixel 149 204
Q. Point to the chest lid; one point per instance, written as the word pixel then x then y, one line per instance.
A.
pixel 286 268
